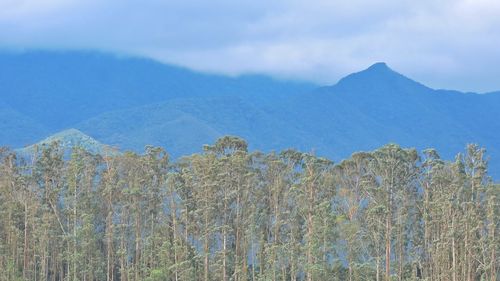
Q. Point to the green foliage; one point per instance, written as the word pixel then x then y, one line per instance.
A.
pixel 229 214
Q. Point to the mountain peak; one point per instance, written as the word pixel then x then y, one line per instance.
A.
pixel 381 77
pixel 379 66
pixel 379 70
pixel 70 132
pixel 70 138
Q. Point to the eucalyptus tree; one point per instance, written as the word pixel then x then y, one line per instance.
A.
pixel 228 214
pixel 351 178
pixel 491 259
pixel 181 194
pixel 10 206
pixel 394 170
pixel 83 219
pixel 230 160
pixel 204 180
pixel 313 192
pixel 154 172
pixel 49 176
pixel 475 168
pixel 110 196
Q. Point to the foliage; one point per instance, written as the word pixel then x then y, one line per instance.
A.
pixel 232 214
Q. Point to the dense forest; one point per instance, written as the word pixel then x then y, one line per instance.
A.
pixel 231 214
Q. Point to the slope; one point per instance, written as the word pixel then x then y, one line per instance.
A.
pixel 69 139
pixel 378 105
pixel 132 102
pixel 183 126
pixel 16 128
pixel 60 89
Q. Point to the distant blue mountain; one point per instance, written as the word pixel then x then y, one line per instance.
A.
pixel 378 105
pixel 60 89
pixel 184 125
pixel 17 128
pixel 133 102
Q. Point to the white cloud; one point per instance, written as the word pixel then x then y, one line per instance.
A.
pixel 446 43
pixel 15 9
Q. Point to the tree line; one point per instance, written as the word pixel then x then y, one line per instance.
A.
pixel 230 214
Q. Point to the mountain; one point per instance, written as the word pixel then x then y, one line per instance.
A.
pixel 59 89
pixel 17 128
pixel 184 125
pixel 132 102
pixel 363 111
pixel 68 139
pixel 378 105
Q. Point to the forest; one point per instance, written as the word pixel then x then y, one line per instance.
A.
pixel 228 213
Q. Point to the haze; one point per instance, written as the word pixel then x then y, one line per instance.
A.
pixel 444 44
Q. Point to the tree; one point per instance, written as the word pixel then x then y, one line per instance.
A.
pixel 229 214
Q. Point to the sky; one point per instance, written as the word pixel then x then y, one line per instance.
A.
pixel 452 44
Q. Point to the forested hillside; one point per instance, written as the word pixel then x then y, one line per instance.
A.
pixel 61 89
pixel 129 102
pixel 228 213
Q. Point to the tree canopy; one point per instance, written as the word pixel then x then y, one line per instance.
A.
pixel 232 214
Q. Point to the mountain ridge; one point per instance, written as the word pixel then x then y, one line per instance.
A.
pixel 82 85
pixel 69 139
pixel 362 111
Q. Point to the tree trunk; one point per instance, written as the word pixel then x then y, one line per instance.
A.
pixel 206 248
pixel 26 248
pixel 388 249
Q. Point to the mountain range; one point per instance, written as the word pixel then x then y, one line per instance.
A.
pixel 130 102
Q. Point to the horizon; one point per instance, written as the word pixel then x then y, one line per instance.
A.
pixel 120 56
pixel 445 45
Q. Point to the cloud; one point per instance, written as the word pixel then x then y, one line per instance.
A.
pixel 446 43
pixel 18 9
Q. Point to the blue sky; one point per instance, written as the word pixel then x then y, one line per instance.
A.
pixel 442 43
